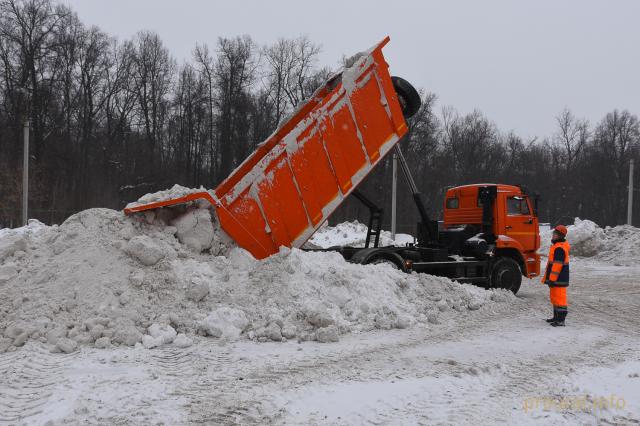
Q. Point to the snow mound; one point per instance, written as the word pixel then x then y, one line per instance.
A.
pixel 103 279
pixel 353 234
pixel 620 244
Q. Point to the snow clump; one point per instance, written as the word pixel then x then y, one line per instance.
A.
pixel 352 234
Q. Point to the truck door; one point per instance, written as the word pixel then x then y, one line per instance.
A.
pixel 520 222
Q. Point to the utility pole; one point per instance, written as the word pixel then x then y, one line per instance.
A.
pixel 394 187
pixel 25 173
pixel 630 200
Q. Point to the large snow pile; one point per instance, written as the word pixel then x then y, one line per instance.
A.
pixel 353 234
pixel 102 278
pixel 620 244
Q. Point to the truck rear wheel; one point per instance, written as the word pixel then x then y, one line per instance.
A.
pixel 506 274
pixel 382 261
pixel 407 95
pixel 391 259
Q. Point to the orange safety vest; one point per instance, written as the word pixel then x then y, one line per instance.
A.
pixel 557 274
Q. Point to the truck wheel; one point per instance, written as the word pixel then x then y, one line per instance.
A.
pixel 383 261
pixel 506 274
pixel 407 95
pixel 394 261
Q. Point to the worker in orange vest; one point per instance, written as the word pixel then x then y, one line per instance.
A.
pixel 557 275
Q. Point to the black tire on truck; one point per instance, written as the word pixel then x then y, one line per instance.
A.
pixel 506 274
pixel 407 95
pixel 378 257
pixel 385 261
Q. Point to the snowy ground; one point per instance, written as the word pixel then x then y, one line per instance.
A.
pixel 499 365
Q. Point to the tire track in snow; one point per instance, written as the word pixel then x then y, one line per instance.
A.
pixel 245 395
pixel 212 370
pixel 29 377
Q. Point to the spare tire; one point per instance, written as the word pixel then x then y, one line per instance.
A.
pixel 408 96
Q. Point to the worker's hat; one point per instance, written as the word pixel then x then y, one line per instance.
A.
pixel 561 229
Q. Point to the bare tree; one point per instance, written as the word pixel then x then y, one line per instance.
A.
pixel 291 74
pixel 617 140
pixel 153 73
pixel 618 136
pixel 206 66
pixel 235 74
pixel 305 54
pixel 572 137
pixel 471 141
pixel 121 98
pixel 28 29
pixel 279 58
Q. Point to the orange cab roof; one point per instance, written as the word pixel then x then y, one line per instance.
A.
pixel 501 187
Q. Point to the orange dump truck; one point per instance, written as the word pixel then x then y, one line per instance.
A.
pixel 283 192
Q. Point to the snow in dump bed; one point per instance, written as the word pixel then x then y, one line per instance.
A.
pixel 352 234
pixel 103 278
pixel 619 245
pixel 176 191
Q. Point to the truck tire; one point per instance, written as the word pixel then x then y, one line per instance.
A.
pixel 383 261
pixel 391 259
pixel 506 274
pixel 408 96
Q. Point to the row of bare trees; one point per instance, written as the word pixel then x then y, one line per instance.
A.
pixel 113 119
pixel 581 170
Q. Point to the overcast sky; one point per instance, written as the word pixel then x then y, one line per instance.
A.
pixel 519 62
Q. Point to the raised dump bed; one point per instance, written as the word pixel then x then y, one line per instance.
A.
pixel 284 191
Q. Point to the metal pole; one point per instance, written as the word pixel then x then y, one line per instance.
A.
pixel 630 201
pixel 405 170
pixel 394 188
pixel 25 174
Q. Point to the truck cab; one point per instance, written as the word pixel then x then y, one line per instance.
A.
pixel 511 222
pixel 488 236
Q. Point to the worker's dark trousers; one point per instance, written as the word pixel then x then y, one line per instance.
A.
pixel 560 312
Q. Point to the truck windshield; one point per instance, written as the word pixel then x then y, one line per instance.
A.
pixel 517 206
